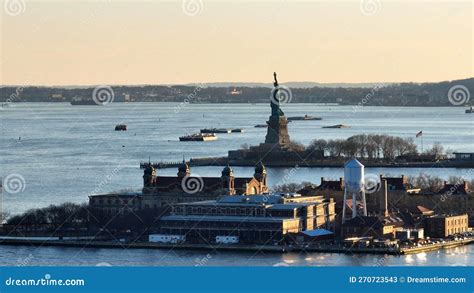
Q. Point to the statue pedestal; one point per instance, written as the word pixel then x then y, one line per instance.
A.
pixel 277 131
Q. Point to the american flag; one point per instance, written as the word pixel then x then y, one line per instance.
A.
pixel 419 133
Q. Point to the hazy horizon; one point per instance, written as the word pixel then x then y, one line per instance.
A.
pixel 185 42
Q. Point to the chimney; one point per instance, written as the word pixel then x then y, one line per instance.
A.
pixel 384 199
pixel 322 180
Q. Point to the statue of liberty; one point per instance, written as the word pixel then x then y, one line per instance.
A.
pixel 275 100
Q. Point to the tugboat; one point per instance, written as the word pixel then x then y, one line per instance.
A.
pixel 470 110
pixel 199 137
pixel 120 127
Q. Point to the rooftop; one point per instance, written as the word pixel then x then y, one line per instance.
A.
pixel 226 218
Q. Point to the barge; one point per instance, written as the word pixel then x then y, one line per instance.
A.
pixel 304 118
pixel 199 137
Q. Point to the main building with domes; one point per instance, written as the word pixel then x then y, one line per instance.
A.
pixel 163 191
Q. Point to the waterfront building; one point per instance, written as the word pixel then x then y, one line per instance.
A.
pixel 331 188
pixel 442 226
pixel 162 191
pixel 378 227
pixel 254 219
pixel 399 185
pixel 464 157
pixel 459 188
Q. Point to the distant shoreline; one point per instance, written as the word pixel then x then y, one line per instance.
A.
pixel 445 93
pixel 239 103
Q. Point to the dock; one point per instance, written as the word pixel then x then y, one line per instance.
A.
pixel 312 247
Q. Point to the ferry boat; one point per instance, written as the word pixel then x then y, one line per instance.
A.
pixel 199 137
pixel 470 110
pixel 120 127
pixel 216 130
pixel 221 130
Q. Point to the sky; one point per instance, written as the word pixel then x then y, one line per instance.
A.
pixel 176 42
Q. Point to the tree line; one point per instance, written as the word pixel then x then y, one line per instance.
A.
pixel 371 146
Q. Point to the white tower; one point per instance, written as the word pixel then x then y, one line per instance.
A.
pixel 354 187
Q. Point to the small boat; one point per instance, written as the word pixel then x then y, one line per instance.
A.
pixel 337 126
pixel 216 130
pixel 261 126
pixel 305 117
pixel 234 130
pixel 199 137
pixel 120 127
pixel 470 110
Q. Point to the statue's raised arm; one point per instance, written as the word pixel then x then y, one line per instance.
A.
pixel 275 83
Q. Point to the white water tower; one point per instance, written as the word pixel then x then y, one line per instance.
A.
pixel 354 188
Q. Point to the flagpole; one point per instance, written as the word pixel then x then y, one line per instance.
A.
pixel 422 159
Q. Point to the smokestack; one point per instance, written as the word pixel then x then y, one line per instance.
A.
pixel 384 199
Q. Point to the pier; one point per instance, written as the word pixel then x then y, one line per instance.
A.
pixel 309 247
pixel 321 163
